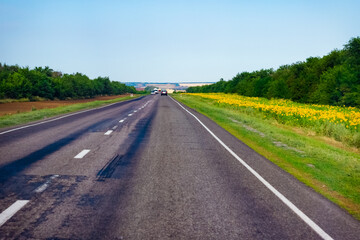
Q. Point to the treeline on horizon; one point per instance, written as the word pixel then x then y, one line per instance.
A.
pixel 21 82
pixel 331 80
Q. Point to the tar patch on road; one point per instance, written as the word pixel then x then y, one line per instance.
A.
pixel 109 168
pixel 119 165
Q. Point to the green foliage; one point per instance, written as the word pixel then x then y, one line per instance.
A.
pixel 333 79
pixel 16 83
pixel 352 49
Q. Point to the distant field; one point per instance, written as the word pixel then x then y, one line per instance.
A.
pixel 193 84
pixel 162 86
pixel 20 107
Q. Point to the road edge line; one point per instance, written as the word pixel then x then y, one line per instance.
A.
pixel 286 201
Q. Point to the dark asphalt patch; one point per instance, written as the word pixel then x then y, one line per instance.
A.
pixel 119 164
pixel 109 168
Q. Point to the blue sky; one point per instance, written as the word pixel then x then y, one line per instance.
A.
pixel 172 41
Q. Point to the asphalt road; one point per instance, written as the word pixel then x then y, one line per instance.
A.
pixel 148 169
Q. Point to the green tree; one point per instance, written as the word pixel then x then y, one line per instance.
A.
pixel 352 49
pixel 16 86
pixel 337 87
pixel 42 85
pixel 278 89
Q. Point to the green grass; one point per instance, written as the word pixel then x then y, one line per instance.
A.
pixel 330 170
pixel 35 115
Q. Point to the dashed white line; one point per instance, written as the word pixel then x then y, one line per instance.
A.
pixel 130 114
pixel 135 111
pixel 114 127
pixel 10 211
pixel 82 153
pixel 43 187
pixel 122 120
pixel 286 201
pixel 108 132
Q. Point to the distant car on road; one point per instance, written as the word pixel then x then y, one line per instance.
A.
pixel 153 92
pixel 163 92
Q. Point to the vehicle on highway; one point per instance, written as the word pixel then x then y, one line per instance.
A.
pixel 153 92
pixel 163 92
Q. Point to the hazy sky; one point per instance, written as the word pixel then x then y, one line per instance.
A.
pixel 172 41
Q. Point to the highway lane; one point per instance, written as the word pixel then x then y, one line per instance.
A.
pixel 152 171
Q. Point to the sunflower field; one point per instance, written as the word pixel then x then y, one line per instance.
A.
pixel 341 123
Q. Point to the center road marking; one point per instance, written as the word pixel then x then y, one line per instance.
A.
pixel 10 211
pixel 43 187
pixel 108 132
pixel 286 201
pixel 82 153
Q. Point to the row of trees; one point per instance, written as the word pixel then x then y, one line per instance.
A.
pixel 17 82
pixel 333 79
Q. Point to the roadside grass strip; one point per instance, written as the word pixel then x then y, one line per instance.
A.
pixel 22 118
pixel 329 167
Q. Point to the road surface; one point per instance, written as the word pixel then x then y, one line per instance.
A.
pixel 150 168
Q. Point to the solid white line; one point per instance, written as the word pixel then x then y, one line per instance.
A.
pixel 72 114
pixel 287 202
pixel 10 211
pixel 108 132
pixel 82 153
